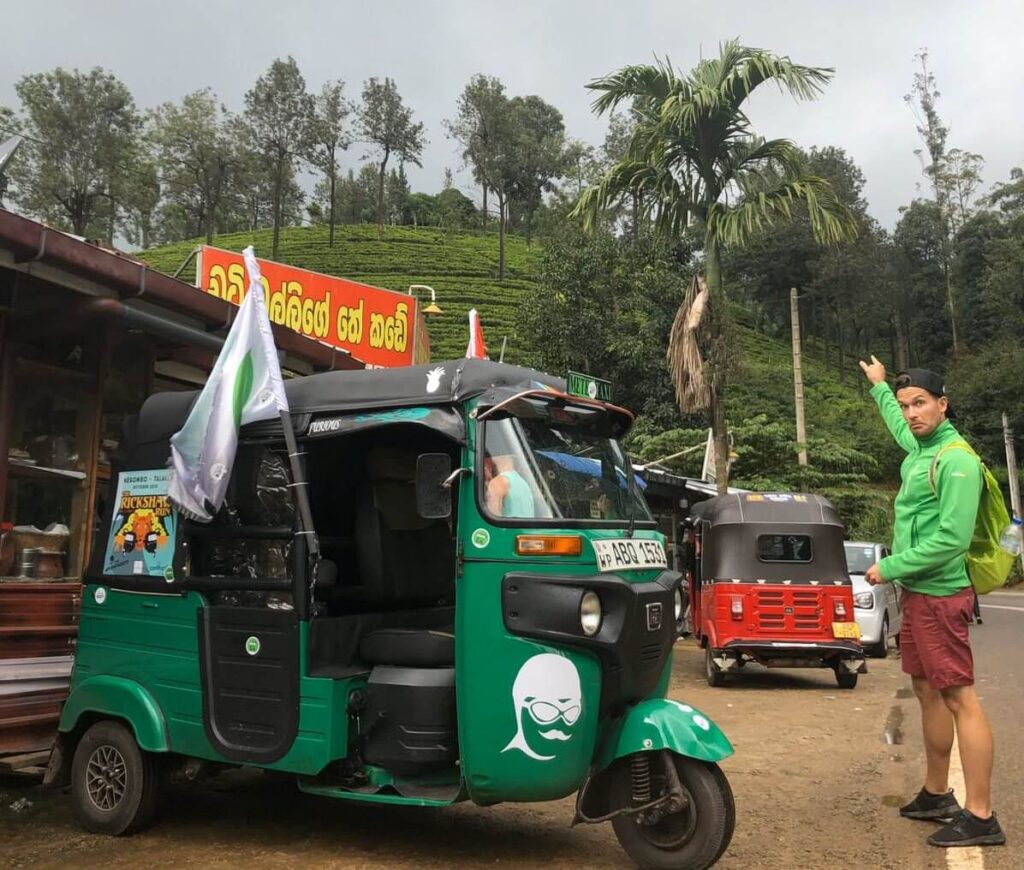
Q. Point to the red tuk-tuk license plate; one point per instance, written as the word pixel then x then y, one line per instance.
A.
pixel 846 629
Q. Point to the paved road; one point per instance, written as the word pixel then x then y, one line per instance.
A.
pixel 816 786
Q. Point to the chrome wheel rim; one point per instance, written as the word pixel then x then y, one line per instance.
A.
pixel 106 778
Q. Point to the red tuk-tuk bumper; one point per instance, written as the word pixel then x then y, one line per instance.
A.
pixel 847 655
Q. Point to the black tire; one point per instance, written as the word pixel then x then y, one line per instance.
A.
pixel 715 675
pixel 880 650
pixel 113 782
pixel 846 680
pixel 681 841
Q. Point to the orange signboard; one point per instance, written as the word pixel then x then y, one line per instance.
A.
pixel 376 326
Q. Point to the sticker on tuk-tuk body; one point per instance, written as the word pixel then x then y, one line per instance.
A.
pixel 548 701
pixel 480 538
pixel 252 645
pixel 141 537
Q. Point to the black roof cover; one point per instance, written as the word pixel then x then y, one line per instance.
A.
pixel 768 507
pixel 440 383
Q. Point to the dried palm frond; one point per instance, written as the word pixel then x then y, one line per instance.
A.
pixel 686 362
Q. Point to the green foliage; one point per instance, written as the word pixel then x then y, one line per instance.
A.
pixel 605 306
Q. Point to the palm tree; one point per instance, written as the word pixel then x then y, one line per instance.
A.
pixel 693 160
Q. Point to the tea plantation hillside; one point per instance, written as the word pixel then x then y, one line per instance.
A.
pixel 462 267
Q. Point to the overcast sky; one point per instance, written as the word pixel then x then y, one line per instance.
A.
pixel 552 48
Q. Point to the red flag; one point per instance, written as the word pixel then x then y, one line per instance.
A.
pixel 476 349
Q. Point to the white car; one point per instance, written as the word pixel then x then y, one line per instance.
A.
pixel 876 608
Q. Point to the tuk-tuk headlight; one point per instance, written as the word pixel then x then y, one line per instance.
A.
pixel 677 598
pixel 590 613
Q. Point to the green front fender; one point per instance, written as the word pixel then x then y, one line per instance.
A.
pixel 120 698
pixel 660 723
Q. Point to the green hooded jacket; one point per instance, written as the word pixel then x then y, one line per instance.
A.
pixel 931 534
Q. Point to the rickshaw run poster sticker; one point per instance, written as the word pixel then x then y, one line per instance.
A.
pixel 143 527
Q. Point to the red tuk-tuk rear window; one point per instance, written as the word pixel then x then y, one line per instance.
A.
pixel 784 548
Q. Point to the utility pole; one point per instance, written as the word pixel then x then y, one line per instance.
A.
pixel 1011 472
pixel 798 378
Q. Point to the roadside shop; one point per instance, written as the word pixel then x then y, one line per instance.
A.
pixel 86 333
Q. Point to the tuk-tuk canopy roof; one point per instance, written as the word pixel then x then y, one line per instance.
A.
pixel 440 383
pixel 777 508
pixel 737 525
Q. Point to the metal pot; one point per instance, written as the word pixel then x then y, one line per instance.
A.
pixel 28 560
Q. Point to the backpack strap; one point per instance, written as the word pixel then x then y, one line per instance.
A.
pixel 956 445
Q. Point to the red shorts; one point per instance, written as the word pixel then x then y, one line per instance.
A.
pixel 934 640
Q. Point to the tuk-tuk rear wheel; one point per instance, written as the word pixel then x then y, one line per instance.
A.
pixel 113 782
pixel 694 837
pixel 845 679
pixel 715 675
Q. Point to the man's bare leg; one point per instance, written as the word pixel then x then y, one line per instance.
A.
pixel 976 747
pixel 937 725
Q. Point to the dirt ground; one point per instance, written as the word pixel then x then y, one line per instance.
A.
pixel 814 777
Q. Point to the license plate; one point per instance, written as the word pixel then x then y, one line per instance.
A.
pixel 846 629
pixel 626 554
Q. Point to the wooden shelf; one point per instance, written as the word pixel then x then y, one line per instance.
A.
pixel 16 468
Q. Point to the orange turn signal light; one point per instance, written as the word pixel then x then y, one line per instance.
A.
pixel 549 545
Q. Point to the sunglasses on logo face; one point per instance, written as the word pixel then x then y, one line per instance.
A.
pixel 545 713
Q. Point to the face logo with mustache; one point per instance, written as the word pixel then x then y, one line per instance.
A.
pixel 548 702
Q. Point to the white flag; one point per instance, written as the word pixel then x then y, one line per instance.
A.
pixel 244 386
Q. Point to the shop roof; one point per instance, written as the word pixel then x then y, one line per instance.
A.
pixel 60 258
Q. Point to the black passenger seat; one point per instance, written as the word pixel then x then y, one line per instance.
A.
pixel 409 648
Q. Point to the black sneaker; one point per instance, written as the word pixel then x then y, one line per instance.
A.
pixel 931 806
pixel 968 830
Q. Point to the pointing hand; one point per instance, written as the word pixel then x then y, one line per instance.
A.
pixel 874 372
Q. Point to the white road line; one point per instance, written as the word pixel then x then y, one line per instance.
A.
pixel 1001 607
pixel 972 857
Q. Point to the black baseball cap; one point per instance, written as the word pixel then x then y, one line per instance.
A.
pixel 925 380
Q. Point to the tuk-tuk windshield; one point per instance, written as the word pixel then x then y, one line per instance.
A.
pixel 557 462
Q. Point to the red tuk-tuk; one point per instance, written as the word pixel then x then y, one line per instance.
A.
pixel 769 583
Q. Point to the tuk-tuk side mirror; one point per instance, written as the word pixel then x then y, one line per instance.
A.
pixel 433 498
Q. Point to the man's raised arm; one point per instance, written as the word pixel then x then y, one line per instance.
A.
pixel 887 404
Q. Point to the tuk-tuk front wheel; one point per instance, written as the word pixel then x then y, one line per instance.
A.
pixel 113 782
pixel 715 675
pixel 695 830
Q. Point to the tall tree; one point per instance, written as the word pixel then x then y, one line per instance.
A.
pixel 279 113
pixel 198 162
pixel 536 154
pixel 481 126
pixel 386 123
pixel 81 129
pixel 695 157
pixel 954 175
pixel 328 136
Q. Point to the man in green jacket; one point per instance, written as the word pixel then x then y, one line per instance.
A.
pixel 931 536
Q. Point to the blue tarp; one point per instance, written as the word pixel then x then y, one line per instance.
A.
pixel 586 465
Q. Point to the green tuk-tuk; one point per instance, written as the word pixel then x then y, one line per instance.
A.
pixel 489 617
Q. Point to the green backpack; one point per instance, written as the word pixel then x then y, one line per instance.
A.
pixel 988 564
